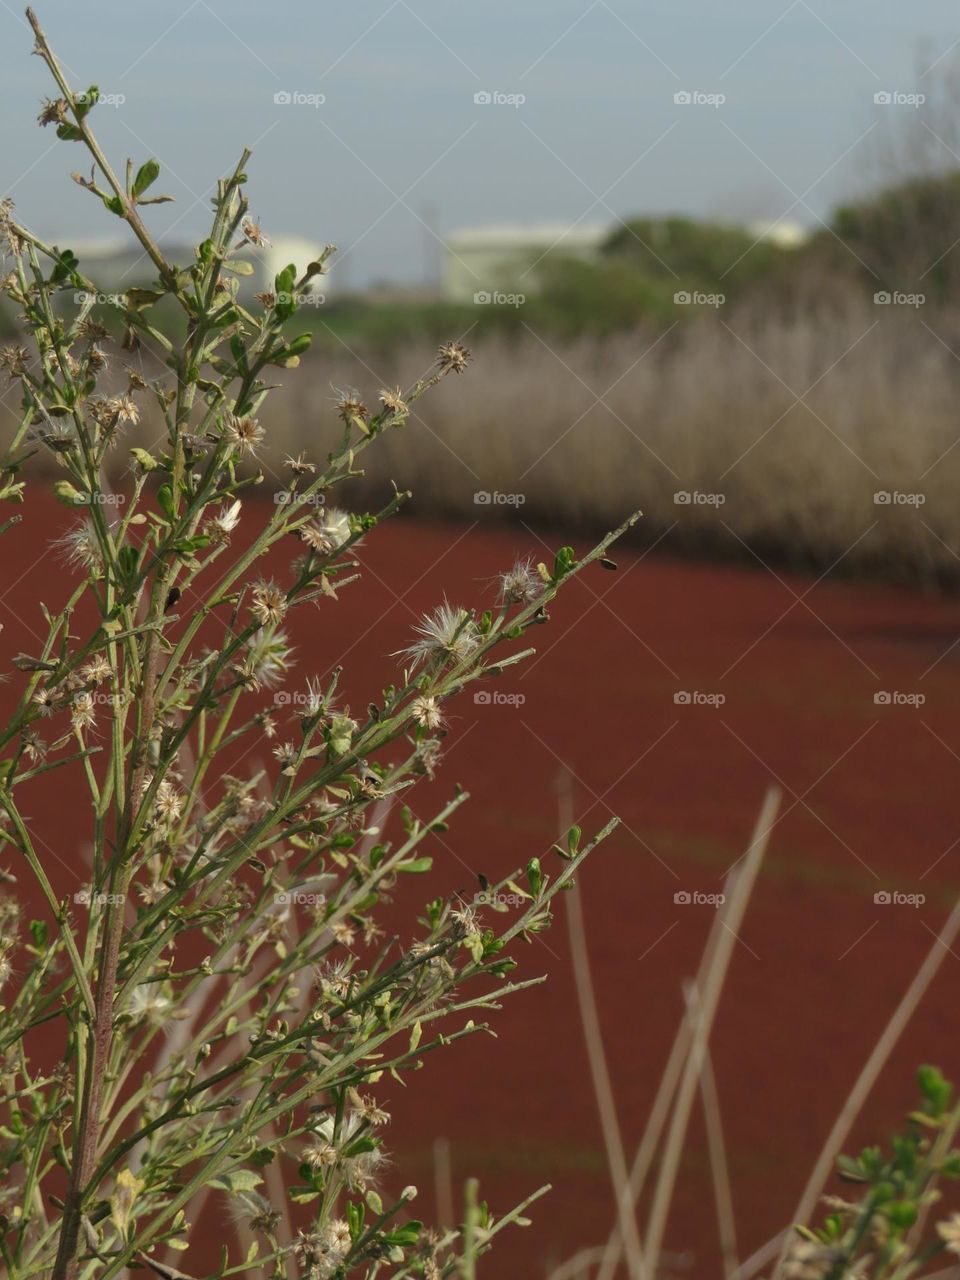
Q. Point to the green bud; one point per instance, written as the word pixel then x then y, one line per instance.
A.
pixel 69 494
pixel 146 461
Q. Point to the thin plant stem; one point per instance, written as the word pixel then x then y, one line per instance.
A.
pixel 743 880
pixel 599 1069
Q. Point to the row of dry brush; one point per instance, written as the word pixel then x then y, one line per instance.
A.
pixel 816 433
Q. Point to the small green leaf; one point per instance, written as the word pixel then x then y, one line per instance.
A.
pixel 147 175
pixel 300 344
pixel 355 1216
pixel 69 494
pixel 165 499
pixel 415 866
pixel 87 101
pixel 404 1236
pixel 902 1214
pixel 237 1180
pixel 140 298
pixel 534 876
pixel 286 279
pixel 563 563
pixel 144 459
pixel 302 1195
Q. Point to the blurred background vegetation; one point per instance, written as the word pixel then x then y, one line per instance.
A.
pixel 784 380
pixel 881 242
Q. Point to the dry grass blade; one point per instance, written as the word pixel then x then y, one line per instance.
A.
pixel 679 1057
pixel 742 885
pixel 578 1267
pixel 871 1071
pixel 659 1113
pixel 599 1070
pixel 716 1149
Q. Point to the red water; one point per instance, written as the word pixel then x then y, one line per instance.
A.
pixel 869 804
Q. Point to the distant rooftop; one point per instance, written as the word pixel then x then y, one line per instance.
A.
pixel 537 233
pixel 788 235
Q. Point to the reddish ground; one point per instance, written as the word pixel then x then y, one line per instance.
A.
pixel 870 804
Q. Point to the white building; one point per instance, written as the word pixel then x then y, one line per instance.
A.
pixel 115 266
pixel 781 232
pixel 504 258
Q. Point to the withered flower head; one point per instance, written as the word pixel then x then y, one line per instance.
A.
pixel 14 361
pixel 394 401
pixel 80 547
pixel 327 534
pixel 350 407
pixel 96 361
pixel 520 584
pixel 91 330
pixel 299 465
pixel 453 357
pixel 225 521
pixel 447 633
pixel 82 714
pixel 97 669
pixel 253 232
pixel 34 747
pixel 269 603
pixel 53 111
pixel 8 231
pixel 114 411
pixel 245 433
pixel 426 712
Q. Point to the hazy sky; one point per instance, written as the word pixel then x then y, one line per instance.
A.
pixel 399 141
